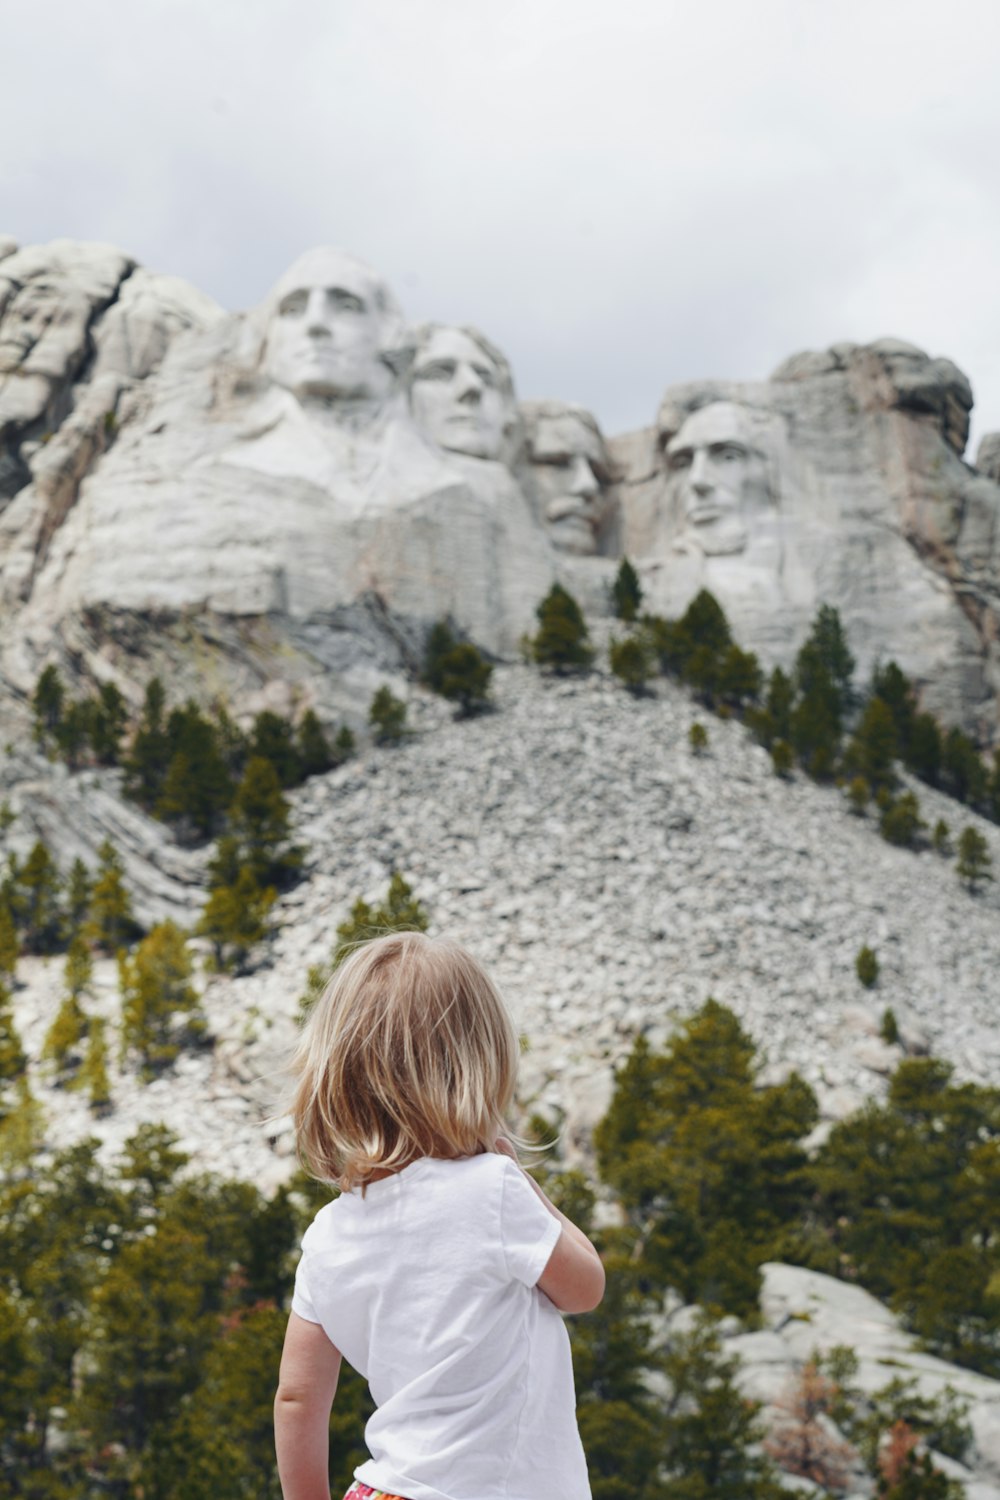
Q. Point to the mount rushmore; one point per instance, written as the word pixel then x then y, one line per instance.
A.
pixel 274 506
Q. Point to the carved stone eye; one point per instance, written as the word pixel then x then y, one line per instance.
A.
pixel 294 305
pixel 435 369
pixel 681 459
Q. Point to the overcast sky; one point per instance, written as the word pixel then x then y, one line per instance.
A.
pixel 621 193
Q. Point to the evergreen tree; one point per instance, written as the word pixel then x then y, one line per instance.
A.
pixel 108 721
pixel 12 1058
pixel 156 993
pixel 343 745
pixel 773 719
pixel 457 670
pixel 440 641
pixel 631 661
pixel 698 738
pixel 9 945
pixel 626 592
pixel 859 795
pixel 273 738
pixel 562 642
pixel 387 716
pixel 891 685
pixel 711 1432
pixel 65 1036
pixel 963 769
pixel 824 663
pixel 37 888
pixel 312 747
pixel 235 918
pixel 79 889
pixel 866 966
pixel 400 911
pixel 259 821
pixel 231 743
pixel 150 752
pixel 76 731
pixel 941 838
pixel 111 921
pixel 925 751
pixel 739 677
pixel 93 1075
pixel 197 787
pixel 47 702
pixel 79 970
pixel 901 823
pixel 782 758
pixel 872 751
pixel 974 859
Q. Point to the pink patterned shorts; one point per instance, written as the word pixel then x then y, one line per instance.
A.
pixel 359 1491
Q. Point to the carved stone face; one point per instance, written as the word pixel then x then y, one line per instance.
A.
pixel 460 395
pixel 332 330
pixel 717 480
pixel 569 467
pixel 44 328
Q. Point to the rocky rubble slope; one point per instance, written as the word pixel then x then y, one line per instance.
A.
pixel 609 878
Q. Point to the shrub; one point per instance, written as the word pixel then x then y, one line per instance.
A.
pixel 782 758
pixel 901 822
pixel 387 716
pixel 626 592
pixel 562 641
pixel 974 859
pixel 631 660
pixel 866 966
pixel 698 738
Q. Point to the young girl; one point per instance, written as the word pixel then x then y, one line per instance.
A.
pixel 441 1270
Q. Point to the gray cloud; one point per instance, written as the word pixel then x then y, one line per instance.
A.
pixel 622 193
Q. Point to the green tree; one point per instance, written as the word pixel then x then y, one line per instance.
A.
pixel 866 966
pixel 79 970
pixel 873 750
pixel 925 750
pixel 631 660
pixel 235 918
pixel 150 752
pixel 387 716
pixel 562 641
pixel 157 995
pixel 259 818
pixel 859 794
pixel 782 758
pixel 64 1040
pixel 111 921
pixel 108 722
pixel 13 1061
pixel 344 745
pixel 901 823
pixel 38 885
pixel 941 838
pixel 711 1433
pixel 197 787
pixel 312 747
pixel 963 770
pixel 93 1076
pixel 273 738
pixel 739 677
pixel 698 738
pixel 709 1167
pixel 79 889
pixel 9 946
pixel 974 858
pixel 399 911
pixel 893 687
pixel 47 702
pixel 457 670
pixel 626 592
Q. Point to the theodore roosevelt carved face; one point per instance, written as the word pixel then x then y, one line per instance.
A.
pixel 717 478
pixel 461 392
pixel 335 332
pixel 569 470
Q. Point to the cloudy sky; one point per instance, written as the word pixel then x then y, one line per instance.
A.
pixel 621 193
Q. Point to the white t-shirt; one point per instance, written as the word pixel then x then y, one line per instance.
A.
pixel 426 1285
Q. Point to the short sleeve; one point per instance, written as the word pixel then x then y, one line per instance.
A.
pixel 528 1231
pixel 301 1301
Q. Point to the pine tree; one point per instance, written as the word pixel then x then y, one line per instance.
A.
pixel 344 745
pixel 387 716
pixel 901 823
pixel 440 641
pixel 76 731
pixel 259 819
pixel 698 738
pixel 235 918
pixel 782 758
pixel 197 787
pixel 273 738
pixel 65 1036
pixel 631 660
pixel 111 921
pixel 964 772
pixel 79 889
pixel 866 966
pixel 859 794
pixel 47 701
pixel 312 747
pixel 9 945
pixel 562 641
pixel 93 1075
pixel 626 592
pixel 893 687
pixel 156 991
pixel 465 678
pixel 108 721
pixel 925 751
pixel 37 889
pixel 739 677
pixel 875 745
pixel 149 755
pixel 13 1061
pixel 974 858
pixel 400 911
pixel 79 970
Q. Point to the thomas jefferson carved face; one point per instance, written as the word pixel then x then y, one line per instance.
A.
pixel 461 392
pixel 569 467
pixel 717 479
pixel 333 331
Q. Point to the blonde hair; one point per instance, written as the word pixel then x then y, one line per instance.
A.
pixel 409 1052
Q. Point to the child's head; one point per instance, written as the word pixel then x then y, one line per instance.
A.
pixel 408 1052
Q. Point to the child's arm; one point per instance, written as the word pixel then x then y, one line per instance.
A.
pixel 574 1276
pixel 307 1384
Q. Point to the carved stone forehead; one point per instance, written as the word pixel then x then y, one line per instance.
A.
pixel 455 341
pixel 327 266
pixel 566 432
pixel 721 422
